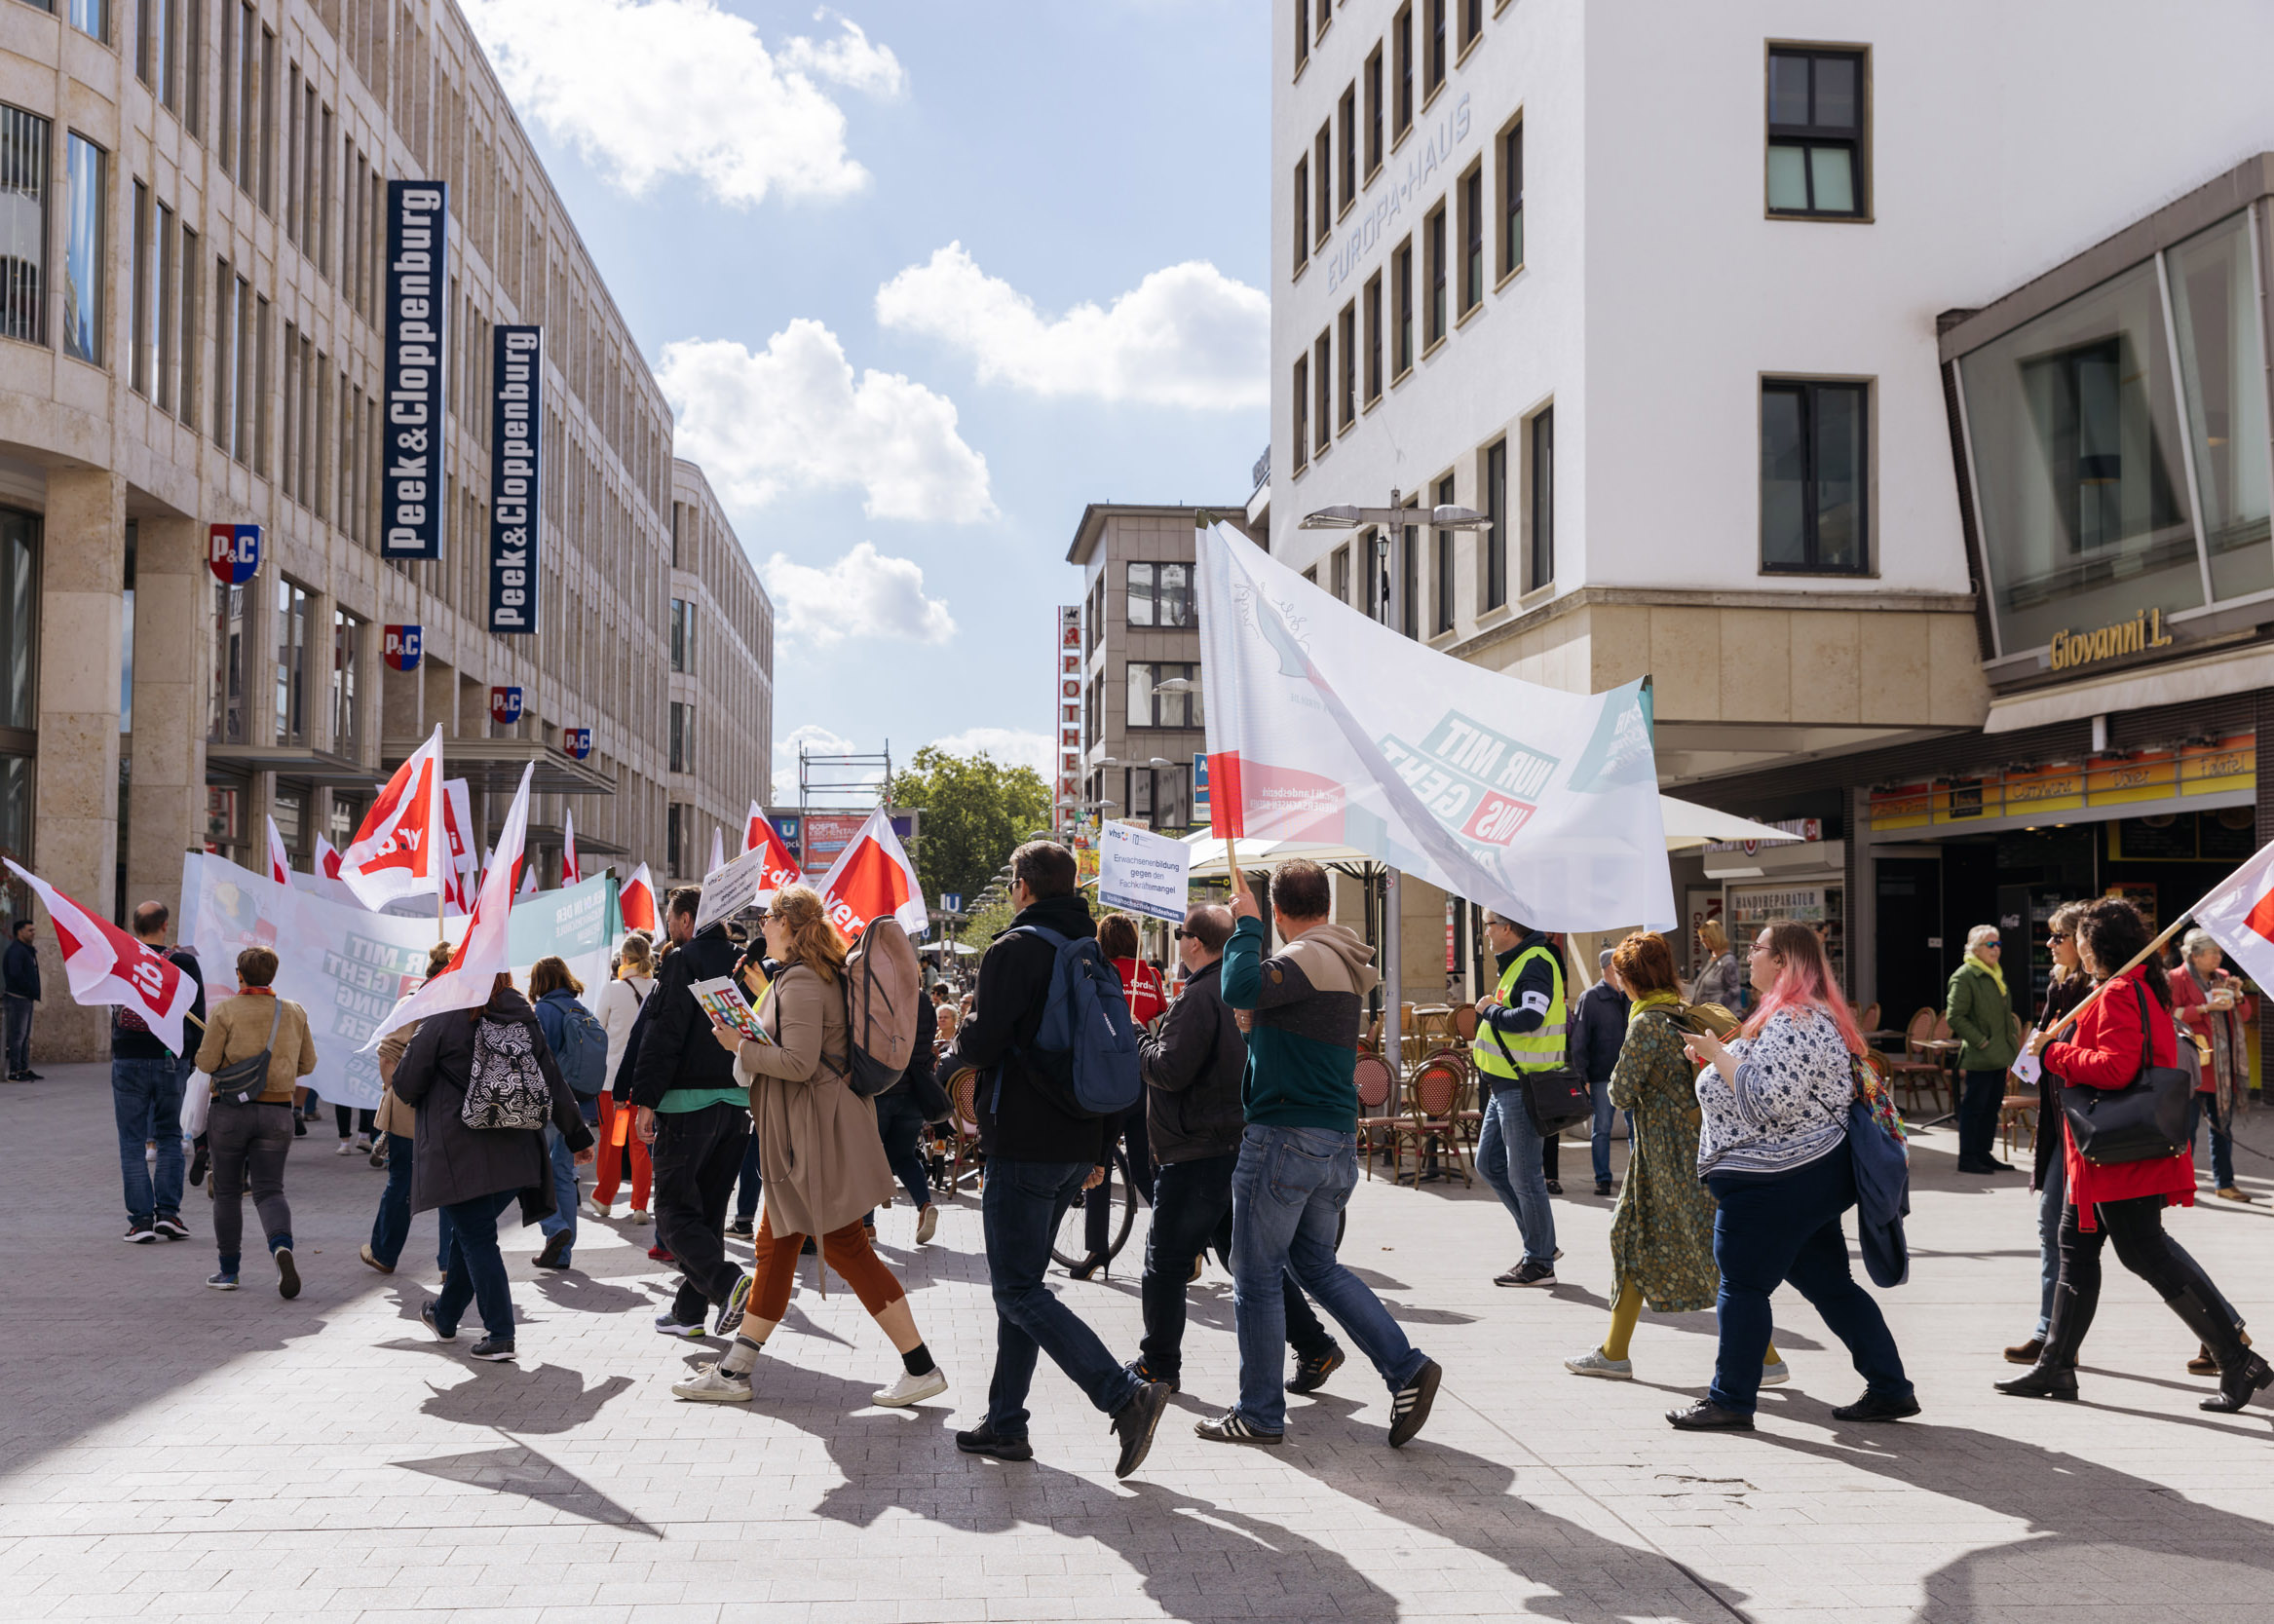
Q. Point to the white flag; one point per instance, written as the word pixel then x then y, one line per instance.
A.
pixel 106 965
pixel 1326 725
pixel 718 850
pixel 279 861
pixel 2240 917
pixel 569 873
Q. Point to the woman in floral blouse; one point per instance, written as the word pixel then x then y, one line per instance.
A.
pixel 1662 1235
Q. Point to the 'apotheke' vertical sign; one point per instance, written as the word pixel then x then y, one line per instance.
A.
pixel 516 413
pixel 411 488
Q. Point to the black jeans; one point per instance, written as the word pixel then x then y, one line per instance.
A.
pixel 750 1184
pixel 697 1155
pixel 900 1125
pixel 1978 1108
pixel 352 1120
pixel 1192 1210
pixel 250 1143
pixel 19 1010
pixel 1019 1208
pixel 1133 1155
pixel 2136 1227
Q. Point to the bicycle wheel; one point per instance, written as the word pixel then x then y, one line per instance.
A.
pixel 1070 1244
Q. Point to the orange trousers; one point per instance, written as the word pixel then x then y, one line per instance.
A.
pixel 609 1169
pixel 774 1259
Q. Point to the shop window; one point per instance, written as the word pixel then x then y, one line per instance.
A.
pixel 1814 506
pixel 346 817
pixel 1817 144
pixel 225 820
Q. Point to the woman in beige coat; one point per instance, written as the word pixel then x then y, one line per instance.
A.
pixel 820 1158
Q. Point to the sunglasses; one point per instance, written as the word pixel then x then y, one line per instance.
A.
pixel 1184 936
pixel 2060 936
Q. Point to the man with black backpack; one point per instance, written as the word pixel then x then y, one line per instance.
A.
pixel 1043 1142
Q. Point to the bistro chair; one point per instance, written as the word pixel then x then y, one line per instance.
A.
pixel 2016 1115
pixel 1377 1118
pixel 1918 1070
pixel 1432 1101
pixel 963 1126
pixel 1464 1022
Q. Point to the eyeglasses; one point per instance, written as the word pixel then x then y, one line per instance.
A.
pixel 2059 936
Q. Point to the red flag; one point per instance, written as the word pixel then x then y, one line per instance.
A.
pixel 403 848
pixel 781 868
pixel 2240 917
pixel 873 877
pixel 571 872
pixel 280 862
pixel 106 965
pixel 752 828
pixel 326 858
pixel 637 902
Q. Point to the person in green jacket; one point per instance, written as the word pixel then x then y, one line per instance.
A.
pixel 1981 1013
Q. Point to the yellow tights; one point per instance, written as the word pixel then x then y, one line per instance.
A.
pixel 1627 1309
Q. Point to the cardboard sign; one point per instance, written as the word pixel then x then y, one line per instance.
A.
pixel 1143 872
pixel 731 888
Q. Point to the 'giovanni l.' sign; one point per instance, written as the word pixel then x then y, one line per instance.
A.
pixel 517 414
pixel 410 472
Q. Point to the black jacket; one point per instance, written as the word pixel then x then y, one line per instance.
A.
pixel 1598 1028
pixel 453 1162
pixel 1193 1068
pixel 2059 999
pixel 676 1049
pixel 21 971
pixel 1018 1117
pixel 138 1041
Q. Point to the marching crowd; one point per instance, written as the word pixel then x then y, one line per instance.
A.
pixel 1749 1137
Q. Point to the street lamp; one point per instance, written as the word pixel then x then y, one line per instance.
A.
pixel 1389 521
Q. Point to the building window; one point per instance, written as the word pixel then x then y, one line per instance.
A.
pixel 347 659
pixel 142 340
pixel 19 622
pixel 682 635
pixel 1373 111
pixel 1401 276
pixel 1812 477
pixel 1539 554
pixel 1473 23
pixel 225 723
pixel 84 260
pixel 1816 132
pixel 1401 66
pixel 678 836
pixel 2216 320
pixel 1324 404
pixel 1302 33
pixel 682 737
pixel 192 64
pixel 1301 413
pixel 1322 176
pixel 1348 337
pixel 1302 213
pixel 1409 579
pixel 1512 199
pixel 1496 538
pixel 1148 709
pixel 1373 298
pixel 1443 543
pixel 1434 266
pixel 23 224
pixel 1339 573
pixel 1472 238
pixel 1172 796
pixel 1346 128
pixel 164 294
pixel 1160 595
pixel 291 663
pixel 1433 66
pixel 92 16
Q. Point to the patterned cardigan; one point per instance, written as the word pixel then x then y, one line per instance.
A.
pixel 1789 1103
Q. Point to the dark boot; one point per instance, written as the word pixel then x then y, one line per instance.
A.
pixel 2054 1372
pixel 2241 1373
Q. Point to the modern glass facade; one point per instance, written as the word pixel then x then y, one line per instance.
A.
pixel 2119 445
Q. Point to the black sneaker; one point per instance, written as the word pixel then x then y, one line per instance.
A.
pixel 983 1440
pixel 493 1349
pixel 742 1229
pixel 1134 1424
pixel 1528 1275
pixel 34 1076
pixel 1555 1186
pixel 1873 1407
pixel 1311 1374
pixel 427 1318
pixel 556 1251
pixel 171 1225
pixel 1232 1428
pixel 288 1276
pixel 140 1231
pixel 197 1170
pixel 1603 1186
pixel 1409 1406
pixel 299 1127
pixel 1705 1415
pixel 1143 1371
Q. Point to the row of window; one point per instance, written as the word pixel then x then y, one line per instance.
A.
pixel 229 719
pixel 1312 18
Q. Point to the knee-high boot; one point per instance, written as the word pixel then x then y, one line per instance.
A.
pixel 2241 1373
pixel 2054 1372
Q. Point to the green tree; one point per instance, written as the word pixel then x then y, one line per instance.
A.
pixel 976 812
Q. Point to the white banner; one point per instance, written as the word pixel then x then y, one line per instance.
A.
pixel 348 966
pixel 1143 872
pixel 1326 725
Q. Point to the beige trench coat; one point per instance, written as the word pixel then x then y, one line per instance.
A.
pixel 817 1146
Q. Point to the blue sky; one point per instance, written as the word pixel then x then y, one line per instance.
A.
pixel 772 168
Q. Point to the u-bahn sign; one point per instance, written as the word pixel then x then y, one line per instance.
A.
pixel 233 552
pixel 403 646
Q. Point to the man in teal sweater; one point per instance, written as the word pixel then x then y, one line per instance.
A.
pixel 1299 1156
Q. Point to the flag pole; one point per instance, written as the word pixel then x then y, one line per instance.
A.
pixel 2141 957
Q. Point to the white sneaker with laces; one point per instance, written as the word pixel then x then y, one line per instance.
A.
pixel 712 1385
pixel 912 1391
pixel 640 1215
pixel 593 1209
pixel 345 1150
pixel 927 1223
pixel 1593 1363
pixel 1777 1374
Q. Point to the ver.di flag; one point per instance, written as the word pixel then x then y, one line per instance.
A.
pixel 106 965
pixel 401 849
pixel 873 877
pixel 636 902
pixel 781 868
pixel 1326 725
pixel 2240 917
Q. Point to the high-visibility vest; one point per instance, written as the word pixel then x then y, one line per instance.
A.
pixel 1503 1054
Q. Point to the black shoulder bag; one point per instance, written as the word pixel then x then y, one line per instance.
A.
pixel 2145 1120
pixel 244 1081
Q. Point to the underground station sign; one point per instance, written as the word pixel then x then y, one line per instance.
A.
pixel 233 552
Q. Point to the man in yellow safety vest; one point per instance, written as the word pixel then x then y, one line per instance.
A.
pixel 1520 1027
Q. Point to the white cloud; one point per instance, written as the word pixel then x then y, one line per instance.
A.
pixel 863 595
pixel 849 59
pixel 816 740
pixel 1010 746
pixel 792 415
pixel 649 88
pixel 1185 336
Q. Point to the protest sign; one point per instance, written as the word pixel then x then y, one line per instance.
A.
pixel 1143 872
pixel 730 888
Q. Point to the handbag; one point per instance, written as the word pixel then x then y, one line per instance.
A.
pixel 1556 1097
pixel 2145 1120
pixel 243 1081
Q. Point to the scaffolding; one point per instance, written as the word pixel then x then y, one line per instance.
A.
pixel 835 782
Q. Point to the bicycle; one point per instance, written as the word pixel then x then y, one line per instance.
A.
pixel 1070 1246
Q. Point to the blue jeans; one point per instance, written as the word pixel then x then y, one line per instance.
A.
pixel 1599 1140
pixel 1784 1229
pixel 2199 1109
pixel 146 1096
pixel 563 1217
pixel 476 1269
pixel 1020 1208
pixel 1192 1210
pixel 2050 1198
pixel 1287 1195
pixel 390 1226
pixel 900 1125
pixel 1507 1154
pixel 19 1010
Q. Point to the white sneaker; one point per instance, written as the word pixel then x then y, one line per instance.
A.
pixel 345 1150
pixel 593 1209
pixel 927 1223
pixel 1777 1374
pixel 911 1390
pixel 712 1385
pixel 1593 1363
pixel 640 1215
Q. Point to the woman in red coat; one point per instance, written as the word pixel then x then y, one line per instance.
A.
pixel 2124 1203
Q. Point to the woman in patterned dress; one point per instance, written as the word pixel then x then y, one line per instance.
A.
pixel 1662 1235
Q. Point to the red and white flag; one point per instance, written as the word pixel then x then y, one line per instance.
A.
pixel 404 847
pixel 528 882
pixel 873 877
pixel 718 850
pixel 483 953
pixel 752 828
pixel 637 901
pixel 2240 917
pixel 279 861
pixel 326 858
pixel 106 965
pixel 571 871
pixel 781 868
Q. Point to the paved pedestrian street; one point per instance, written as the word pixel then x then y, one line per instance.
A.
pixel 177 1452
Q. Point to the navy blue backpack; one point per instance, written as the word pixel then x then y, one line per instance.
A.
pixel 1085 1050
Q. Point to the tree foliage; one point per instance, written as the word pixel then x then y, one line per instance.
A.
pixel 976 812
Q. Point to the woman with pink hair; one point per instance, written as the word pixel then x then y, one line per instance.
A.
pixel 1772 1148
